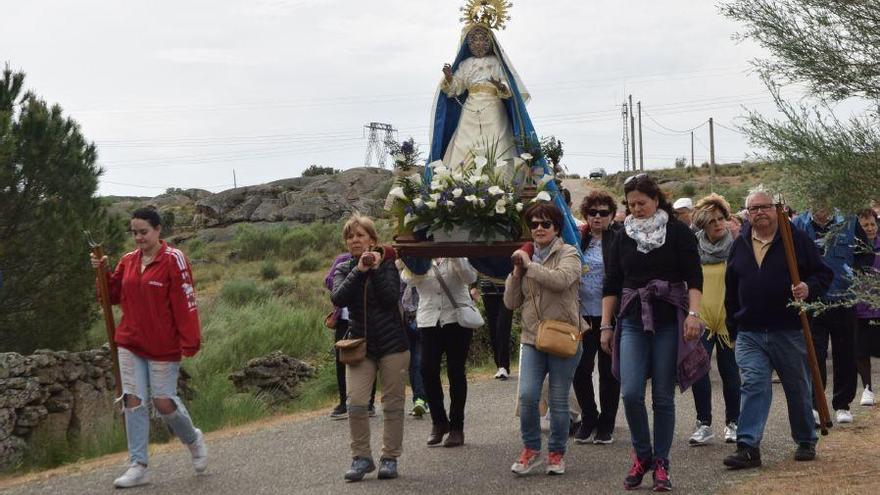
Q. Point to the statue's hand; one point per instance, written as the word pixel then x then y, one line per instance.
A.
pixel 447 72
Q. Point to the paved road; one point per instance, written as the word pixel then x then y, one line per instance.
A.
pixel 310 456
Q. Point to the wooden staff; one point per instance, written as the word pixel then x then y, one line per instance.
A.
pixel 109 323
pixel 790 258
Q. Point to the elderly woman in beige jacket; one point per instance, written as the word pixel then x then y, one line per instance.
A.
pixel 547 271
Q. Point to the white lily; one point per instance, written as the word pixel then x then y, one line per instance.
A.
pixel 457 176
pixel 457 192
pixel 500 206
pixel 542 196
pixel 450 204
pixel 470 198
pixel 480 162
pixel 484 178
pixel 435 196
pixel 495 190
pixel 481 202
pixel 526 156
pixel 418 202
pixel 519 207
pixel 431 204
pixel 409 217
pixel 397 193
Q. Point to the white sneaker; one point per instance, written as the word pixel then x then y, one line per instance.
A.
pixel 844 416
pixel 135 475
pixel 199 451
pixel 730 433
pixel 502 374
pixel 816 418
pixel 702 435
pixel 867 397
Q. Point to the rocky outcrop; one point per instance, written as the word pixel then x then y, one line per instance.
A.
pixel 275 377
pixel 56 396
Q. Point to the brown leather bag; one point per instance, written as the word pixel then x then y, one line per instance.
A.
pixel 353 351
pixel 555 337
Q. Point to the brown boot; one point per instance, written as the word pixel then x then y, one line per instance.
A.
pixel 437 433
pixel 454 439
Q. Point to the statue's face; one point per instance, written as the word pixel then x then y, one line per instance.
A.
pixel 479 42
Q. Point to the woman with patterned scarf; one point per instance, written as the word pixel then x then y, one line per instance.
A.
pixel 653 271
pixel 714 241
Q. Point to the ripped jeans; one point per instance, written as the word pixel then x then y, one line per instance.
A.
pixel 159 378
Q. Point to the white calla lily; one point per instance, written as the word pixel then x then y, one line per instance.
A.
pixel 435 196
pixel 470 198
pixel 495 190
pixel 542 196
pixel 526 156
pixel 481 202
pixel 431 204
pixel 481 162
pixel 500 206
pixel 397 193
pixel 457 176
pixel 408 218
pixel 450 204
pixel 457 192
pixel 418 202
pixel 519 207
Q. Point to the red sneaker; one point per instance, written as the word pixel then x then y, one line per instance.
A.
pixel 555 463
pixel 662 483
pixel 636 472
pixel 528 459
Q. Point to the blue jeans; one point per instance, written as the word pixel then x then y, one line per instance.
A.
pixel 534 365
pixel 757 353
pixel 644 354
pixel 415 364
pixel 725 358
pixel 143 378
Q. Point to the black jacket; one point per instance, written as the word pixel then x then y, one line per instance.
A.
pixel 757 298
pixel 381 288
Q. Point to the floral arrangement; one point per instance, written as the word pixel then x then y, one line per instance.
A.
pixel 474 197
pixel 406 154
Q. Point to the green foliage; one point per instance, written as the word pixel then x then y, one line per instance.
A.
pixel 269 270
pixel 316 170
pixel 310 263
pixel 688 190
pixel 195 249
pixel 238 292
pixel 48 179
pixel 296 242
pixel 681 162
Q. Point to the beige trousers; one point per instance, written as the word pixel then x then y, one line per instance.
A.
pixel 393 372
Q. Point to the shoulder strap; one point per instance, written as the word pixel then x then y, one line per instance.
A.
pixel 444 287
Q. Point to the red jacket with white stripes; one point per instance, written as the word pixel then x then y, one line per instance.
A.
pixel 160 319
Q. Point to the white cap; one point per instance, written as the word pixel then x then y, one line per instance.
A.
pixel 683 203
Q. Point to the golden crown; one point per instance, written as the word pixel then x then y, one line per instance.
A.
pixel 492 14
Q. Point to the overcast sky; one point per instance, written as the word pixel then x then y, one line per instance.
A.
pixel 181 93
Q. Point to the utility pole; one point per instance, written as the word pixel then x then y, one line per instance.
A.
pixel 632 129
pixel 712 154
pixel 641 149
pixel 625 114
pixel 234 181
pixel 692 149
pixel 377 145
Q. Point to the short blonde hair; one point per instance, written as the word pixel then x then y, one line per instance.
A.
pixel 357 220
pixel 705 206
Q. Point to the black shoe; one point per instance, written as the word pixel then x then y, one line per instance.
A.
pixel 603 438
pixel 806 451
pixel 435 439
pixel 360 466
pixel 387 468
pixel 583 434
pixel 339 412
pixel 744 458
pixel 454 439
pixel 573 427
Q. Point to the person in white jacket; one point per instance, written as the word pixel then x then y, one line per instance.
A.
pixel 438 320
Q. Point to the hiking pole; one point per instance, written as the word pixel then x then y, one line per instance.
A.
pixel 818 390
pixel 109 323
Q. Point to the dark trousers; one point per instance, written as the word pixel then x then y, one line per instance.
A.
pixel 838 325
pixel 339 334
pixel 453 341
pixel 500 322
pixel 609 388
pixel 725 358
pixel 415 364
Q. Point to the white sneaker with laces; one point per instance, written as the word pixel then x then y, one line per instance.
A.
pixel 867 397
pixel 702 435
pixel 135 475
pixel 844 416
pixel 730 433
pixel 199 451
pixel 502 374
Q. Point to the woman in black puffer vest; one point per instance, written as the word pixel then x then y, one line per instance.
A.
pixel 369 286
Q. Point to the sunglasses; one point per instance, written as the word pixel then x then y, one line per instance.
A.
pixel 601 213
pixel 545 224
pixel 634 177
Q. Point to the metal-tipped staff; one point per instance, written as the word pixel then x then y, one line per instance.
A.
pixel 818 390
pixel 109 323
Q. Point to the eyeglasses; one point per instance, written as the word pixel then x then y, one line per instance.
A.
pixel 601 213
pixel 758 208
pixel 545 224
pixel 634 177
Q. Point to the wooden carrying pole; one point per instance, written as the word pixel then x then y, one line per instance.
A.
pixel 818 390
pixel 110 324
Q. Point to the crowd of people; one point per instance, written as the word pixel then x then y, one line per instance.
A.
pixel 649 295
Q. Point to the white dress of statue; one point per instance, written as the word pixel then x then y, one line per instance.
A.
pixel 484 119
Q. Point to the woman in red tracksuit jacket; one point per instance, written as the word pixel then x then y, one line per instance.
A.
pixel 160 323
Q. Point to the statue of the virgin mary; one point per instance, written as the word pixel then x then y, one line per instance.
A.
pixel 481 100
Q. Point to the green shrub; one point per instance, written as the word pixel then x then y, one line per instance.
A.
pixel 239 292
pixel 284 286
pixel 195 249
pixel 688 190
pixel 269 270
pixel 310 263
pixel 255 244
pixel 296 242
